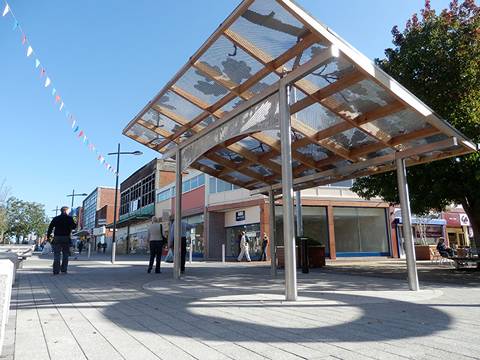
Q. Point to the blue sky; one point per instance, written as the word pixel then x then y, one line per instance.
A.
pixel 108 59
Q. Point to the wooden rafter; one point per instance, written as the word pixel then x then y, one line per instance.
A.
pixel 208 170
pixel 233 166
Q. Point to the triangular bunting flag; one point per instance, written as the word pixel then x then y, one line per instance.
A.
pixel 42 72
pixel 57 98
pixel 80 134
pixel 47 82
pixel 29 51
pixel 85 139
pixel 61 106
pixel 15 25
pixel 24 39
pixel 37 63
pixel 76 129
pixel 6 10
pixel 73 123
pixel 54 91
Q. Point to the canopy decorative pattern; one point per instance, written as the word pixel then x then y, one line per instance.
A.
pixel 348 117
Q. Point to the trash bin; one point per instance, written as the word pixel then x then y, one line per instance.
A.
pixel 303 244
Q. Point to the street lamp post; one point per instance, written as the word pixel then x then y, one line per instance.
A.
pixel 118 153
pixel 73 195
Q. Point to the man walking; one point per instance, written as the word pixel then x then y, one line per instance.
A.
pixel 63 225
pixel 244 247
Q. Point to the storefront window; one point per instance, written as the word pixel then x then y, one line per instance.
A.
pixel 360 230
pixel 196 235
pixel 315 225
pixel 233 240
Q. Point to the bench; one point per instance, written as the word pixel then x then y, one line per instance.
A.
pixel 465 261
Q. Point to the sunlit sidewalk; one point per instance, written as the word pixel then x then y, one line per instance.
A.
pixel 233 311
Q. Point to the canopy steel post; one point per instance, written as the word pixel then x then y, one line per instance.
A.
pixel 407 224
pixel 273 246
pixel 287 190
pixel 298 208
pixel 178 217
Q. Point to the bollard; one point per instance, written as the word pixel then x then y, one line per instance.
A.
pixel 304 254
pixel 223 253
pixel 89 249
pixel 190 252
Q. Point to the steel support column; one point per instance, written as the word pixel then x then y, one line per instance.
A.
pixel 273 245
pixel 407 225
pixel 287 191
pixel 178 217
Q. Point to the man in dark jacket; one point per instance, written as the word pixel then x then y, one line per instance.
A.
pixel 63 225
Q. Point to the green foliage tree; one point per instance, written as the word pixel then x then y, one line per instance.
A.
pixel 4 194
pixel 24 218
pixel 437 57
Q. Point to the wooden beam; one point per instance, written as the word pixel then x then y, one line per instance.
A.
pixel 339 85
pixel 208 170
pixel 398 140
pixel 233 167
pixel 148 125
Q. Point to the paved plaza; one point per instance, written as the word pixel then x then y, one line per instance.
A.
pixel 237 311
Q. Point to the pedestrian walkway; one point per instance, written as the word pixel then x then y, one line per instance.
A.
pixel 233 311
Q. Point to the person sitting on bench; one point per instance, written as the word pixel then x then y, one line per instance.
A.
pixel 443 249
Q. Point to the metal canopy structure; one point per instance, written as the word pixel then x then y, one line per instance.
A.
pixel 275 101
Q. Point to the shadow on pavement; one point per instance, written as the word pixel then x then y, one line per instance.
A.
pixel 238 302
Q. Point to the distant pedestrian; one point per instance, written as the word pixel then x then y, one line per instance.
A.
pixel 244 250
pixel 156 240
pixel 104 246
pixel 80 247
pixel 99 246
pixel 263 255
pixel 63 225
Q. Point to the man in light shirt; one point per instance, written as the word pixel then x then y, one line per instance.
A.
pixel 244 247
pixel 156 240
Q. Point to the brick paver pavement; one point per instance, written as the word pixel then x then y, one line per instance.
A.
pixel 234 311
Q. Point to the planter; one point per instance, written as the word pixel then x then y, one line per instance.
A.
pixel 422 252
pixel 316 256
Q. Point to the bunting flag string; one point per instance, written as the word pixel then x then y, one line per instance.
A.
pixel 58 100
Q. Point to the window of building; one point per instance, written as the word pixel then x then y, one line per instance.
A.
pixel 360 230
pixel 315 225
pixel 218 185
pixel 187 185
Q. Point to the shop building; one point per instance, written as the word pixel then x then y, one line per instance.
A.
pixel 459 232
pixel 137 204
pixel 98 209
pixel 333 216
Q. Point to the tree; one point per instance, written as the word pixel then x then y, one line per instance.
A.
pixel 25 218
pixel 4 194
pixel 437 57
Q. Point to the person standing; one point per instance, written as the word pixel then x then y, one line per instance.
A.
pixel 156 240
pixel 63 225
pixel 244 247
pixel 80 247
pixel 263 255
pixel 171 237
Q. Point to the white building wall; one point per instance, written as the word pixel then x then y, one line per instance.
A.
pixel 252 216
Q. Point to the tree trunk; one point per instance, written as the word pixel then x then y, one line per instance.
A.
pixel 472 209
